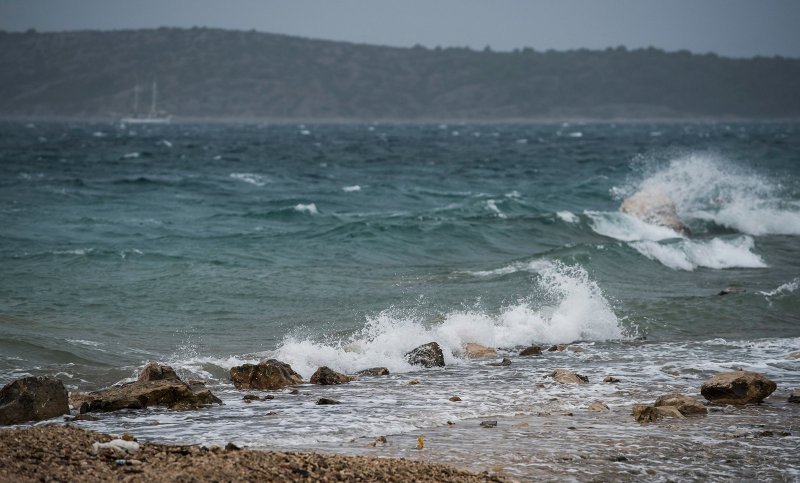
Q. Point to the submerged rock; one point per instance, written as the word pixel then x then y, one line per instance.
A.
pixel 328 377
pixel 323 401
pixel 794 355
pixel 737 387
pixel 154 371
pixel 380 440
pixel 795 396
pixel 730 290
pixel 374 371
pixel 533 350
pixel 563 376
pixel 505 362
pixel 475 351
pixel 488 424
pixel 32 399
pixel 649 414
pixel 267 374
pixel 687 406
pixel 557 348
pixel 610 379
pixel 654 206
pixel 427 355
pixel 598 406
pixel 142 394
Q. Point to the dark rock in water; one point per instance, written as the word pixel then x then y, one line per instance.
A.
pixel 324 401
pixel 231 447
pixel 154 371
pixel 455 398
pixel 427 355
pixel 737 387
pixel 610 379
pixel 141 394
pixel 795 396
pixel 248 398
pixel 557 348
pixel 327 377
pixel 563 376
pixel 730 290
pixel 32 399
pixel 267 374
pixel 654 206
pixel 533 350
pixel 488 424
pixel 374 371
pixel 649 414
pixel 505 362
pixel 688 406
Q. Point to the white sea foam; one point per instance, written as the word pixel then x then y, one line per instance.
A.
pixel 689 254
pixel 567 216
pixel 351 189
pixel 624 227
pixel 711 188
pixel 783 289
pixel 492 205
pixel 566 306
pixel 133 155
pixel 77 251
pixel 251 178
pixel 309 208
pixel 534 267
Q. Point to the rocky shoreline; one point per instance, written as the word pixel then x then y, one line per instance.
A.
pixel 66 453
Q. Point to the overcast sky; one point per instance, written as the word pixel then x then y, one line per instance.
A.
pixel 739 28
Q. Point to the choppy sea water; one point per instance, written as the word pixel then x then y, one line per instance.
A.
pixel 206 246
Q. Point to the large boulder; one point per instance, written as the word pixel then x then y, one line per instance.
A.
pixel 649 414
pixel 688 406
pixel 737 387
pixel 327 376
pixel 267 374
pixel 154 371
pixel 476 351
pixel 32 399
pixel 428 355
pixel 654 206
pixel 533 350
pixel 174 394
pixel 563 376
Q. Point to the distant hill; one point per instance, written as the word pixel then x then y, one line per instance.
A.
pixel 209 73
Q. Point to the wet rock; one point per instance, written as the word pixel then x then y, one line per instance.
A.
pixel 488 424
pixel 248 398
pixel 557 348
pixel 688 406
pixel 427 355
pixel 455 398
pixel 380 440
pixel 323 401
pixel 574 348
pixel 413 382
pixel 737 387
pixel 505 362
pixel 654 206
pixel 32 399
pixel 374 371
pixel 730 290
pixel 794 355
pixel 267 374
pixel 327 377
pixel 795 396
pixel 533 350
pixel 563 376
pixel 231 447
pixel 142 394
pixel 610 379
pixel 598 406
pixel 648 414
pixel 476 351
pixel 154 371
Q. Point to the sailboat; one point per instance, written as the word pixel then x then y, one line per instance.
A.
pixel 153 117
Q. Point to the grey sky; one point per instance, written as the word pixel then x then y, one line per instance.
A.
pixel 737 28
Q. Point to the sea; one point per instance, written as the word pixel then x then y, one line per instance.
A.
pixel 206 246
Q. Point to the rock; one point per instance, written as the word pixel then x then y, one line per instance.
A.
pixel 648 414
pixel 475 351
pixel 327 377
pixel 597 406
pixel 557 348
pixel 610 379
pixel 737 387
pixel 488 424
pixel 795 396
pixel 654 206
pixel 427 355
pixel 413 382
pixel 380 440
pixel 267 374
pixel 32 399
pixel 563 376
pixel 574 348
pixel 505 362
pixel 688 406
pixel 325 401
pixel 154 371
pixel 374 371
pixel 794 355
pixel 455 398
pixel 248 398
pixel 533 350
pixel 730 290
pixel 141 394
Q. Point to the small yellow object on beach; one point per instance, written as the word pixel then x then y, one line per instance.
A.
pixel 420 442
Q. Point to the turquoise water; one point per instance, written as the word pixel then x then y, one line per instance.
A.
pixel 347 245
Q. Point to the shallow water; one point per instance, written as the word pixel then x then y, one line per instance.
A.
pixel 206 246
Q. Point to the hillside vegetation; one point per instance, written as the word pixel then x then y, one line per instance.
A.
pixel 209 73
